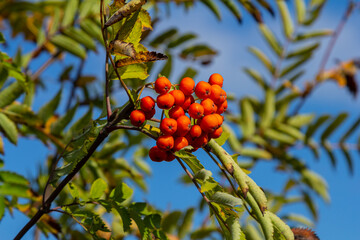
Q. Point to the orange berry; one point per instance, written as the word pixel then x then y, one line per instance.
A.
pixel 183 126
pixel 203 90
pixel 168 126
pixel 195 131
pixel 209 123
pixel 219 118
pixel 216 79
pixel 147 104
pixel 169 156
pixel 218 95
pixel 180 142
pixel 196 110
pixel 217 133
pixel 176 112
pixel 137 117
pixel 178 96
pixel 187 86
pixel 149 115
pixel 162 85
pixel 188 101
pixel 209 106
pixel 157 155
pixel 222 108
pixel 165 101
pixel 165 142
pixel 200 141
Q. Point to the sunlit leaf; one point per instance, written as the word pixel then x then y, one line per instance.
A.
pixel 137 71
pixel 268 109
pixel 287 21
pixel 263 58
pixel 182 39
pixel 10 94
pixel 8 127
pixel 68 44
pixel 69 13
pixel 271 39
pixel 213 8
pixel 300 10
pixel 303 50
pixel 98 188
pixel 81 37
pixel 313 34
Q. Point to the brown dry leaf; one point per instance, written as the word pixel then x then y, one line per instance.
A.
pixel 123 48
pixel 125 11
pixel 141 57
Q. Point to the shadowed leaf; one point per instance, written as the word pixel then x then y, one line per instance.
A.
pixel 124 48
pixel 141 57
pixel 125 11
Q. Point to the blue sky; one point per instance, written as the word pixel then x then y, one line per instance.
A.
pixel 337 220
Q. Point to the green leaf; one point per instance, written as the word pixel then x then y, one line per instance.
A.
pixel 300 120
pixel 74 191
pixel 333 126
pixel 223 138
pixel 92 29
pixel 47 110
pixel 278 136
pixel 182 39
pixel 152 221
pixel 256 153
pixel 226 199
pixel 248 118
pixel 316 183
pixel 8 128
pixel 121 193
pixel 288 24
pixel 81 37
pixel 255 75
pixel 299 219
pixel 300 10
pixel 203 174
pixel 348 158
pixel 263 59
pixel 166 36
pixel 233 9
pixel 303 50
pixel 189 72
pixel 295 65
pixel 169 222
pixel 212 6
pixel 98 188
pixel 291 131
pixel 268 109
pixel 190 160
pixel 235 229
pixel 186 224
pixel 252 233
pixel 10 94
pixel 60 124
pixel 284 229
pixel 2 204
pixel 328 150
pixel 125 217
pixel 166 70
pixel 81 123
pixel 13 178
pixel 67 44
pixel 203 233
pixel 315 126
pixel 134 71
pixel 313 34
pixel 69 13
pixel 351 130
pixel 14 190
pixel 2 38
pixel 271 39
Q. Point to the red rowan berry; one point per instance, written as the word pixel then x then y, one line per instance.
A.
pixel 196 110
pixel 195 131
pixel 168 126
pixel 200 141
pixel 209 123
pixel 180 142
pixel 165 101
pixel 157 155
pixel 162 85
pixel 149 115
pixel 209 106
pixel 188 101
pixel 178 96
pixel 169 156
pixel 165 142
pixel 147 104
pixel 183 125
pixel 217 133
pixel 222 108
pixel 187 86
pixel 203 90
pixel 176 112
pixel 216 79
pixel 218 95
pixel 137 118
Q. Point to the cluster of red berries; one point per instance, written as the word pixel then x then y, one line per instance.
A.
pixel 179 130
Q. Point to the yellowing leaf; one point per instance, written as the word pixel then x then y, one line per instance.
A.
pixel 125 11
pixel 140 58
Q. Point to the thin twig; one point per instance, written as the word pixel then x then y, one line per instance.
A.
pixel 327 54
pixel 202 194
pixel 64 212
pixel 72 204
pixel 44 66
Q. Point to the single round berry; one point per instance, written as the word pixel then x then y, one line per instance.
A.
pixel 209 106
pixel 188 101
pixel 219 118
pixel 200 141
pixel 137 118
pixel 149 115
pixel 165 101
pixel 147 104
pixel 157 155
pixel 168 126
pixel 217 133
pixel 218 95
pixel 196 110
pixel 209 123
pixel 178 96
pixel 222 108
pixel 203 90
pixel 216 79
pixel 176 112
pixel 187 86
pixel 195 131
pixel 165 142
pixel 162 85
pixel 183 125
pixel 180 142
